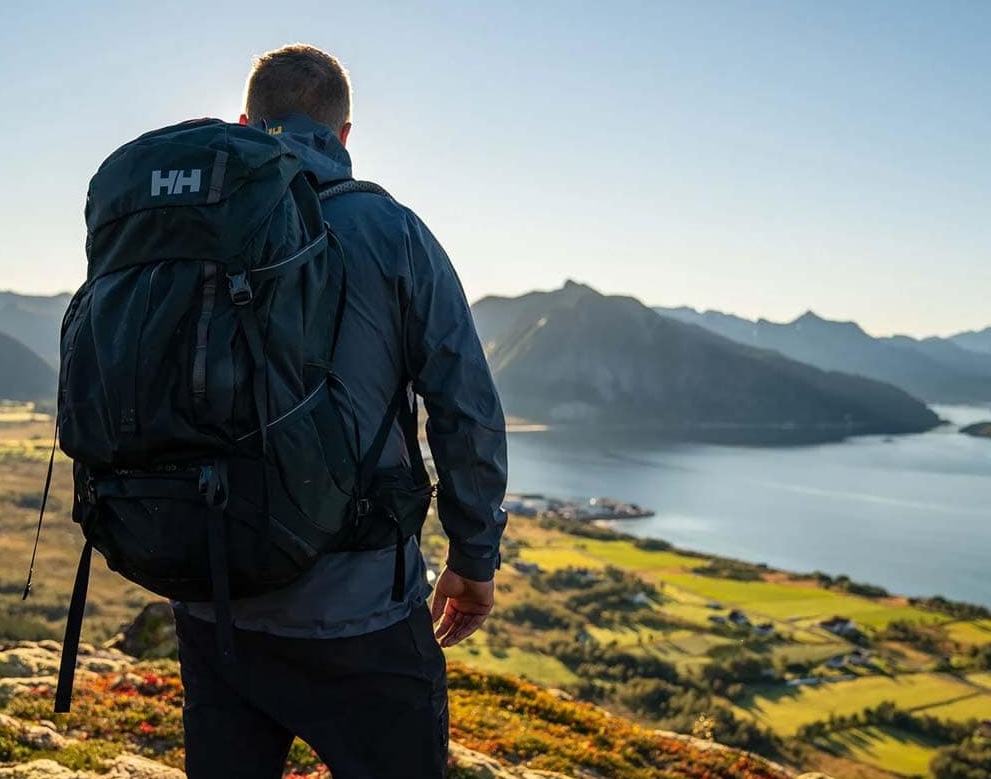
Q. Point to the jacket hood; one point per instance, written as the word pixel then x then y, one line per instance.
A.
pixel 317 146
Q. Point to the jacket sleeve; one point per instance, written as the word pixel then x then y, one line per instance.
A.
pixel 466 429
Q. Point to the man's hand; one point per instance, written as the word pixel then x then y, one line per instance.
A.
pixel 461 605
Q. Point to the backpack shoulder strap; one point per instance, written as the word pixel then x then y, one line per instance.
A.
pixel 343 187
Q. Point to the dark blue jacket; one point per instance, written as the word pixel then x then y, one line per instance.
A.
pixel 406 319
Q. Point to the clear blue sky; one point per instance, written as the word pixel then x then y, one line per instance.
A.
pixel 761 158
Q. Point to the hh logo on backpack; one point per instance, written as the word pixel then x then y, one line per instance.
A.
pixel 175 182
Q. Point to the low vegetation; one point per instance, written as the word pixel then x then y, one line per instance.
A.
pixel 140 711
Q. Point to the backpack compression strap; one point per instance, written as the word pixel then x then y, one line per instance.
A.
pixel 73 627
pixel 399 407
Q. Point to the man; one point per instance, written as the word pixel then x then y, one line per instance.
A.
pixel 334 658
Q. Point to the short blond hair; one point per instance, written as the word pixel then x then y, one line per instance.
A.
pixel 298 79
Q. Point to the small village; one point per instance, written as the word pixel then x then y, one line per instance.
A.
pixel 588 509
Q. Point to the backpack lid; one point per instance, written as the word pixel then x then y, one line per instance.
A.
pixel 196 190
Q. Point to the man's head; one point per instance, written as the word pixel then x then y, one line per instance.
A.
pixel 299 79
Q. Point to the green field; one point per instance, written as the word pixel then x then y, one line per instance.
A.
pixel 808 652
pixel 976 706
pixel 623 636
pixel 802 605
pixel 590 553
pixel 697 644
pixel 555 558
pixel 970 633
pixel 691 613
pixel 623 554
pixel 785 709
pixel 799 605
pixel 539 668
pixel 14 412
pixel 887 748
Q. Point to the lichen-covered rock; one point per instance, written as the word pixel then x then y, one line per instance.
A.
pixel 24 684
pixel 29 664
pixel 469 764
pixel 27 659
pixel 151 635
pixel 41 769
pixel 121 767
pixel 474 765
pixel 41 736
pixel 134 767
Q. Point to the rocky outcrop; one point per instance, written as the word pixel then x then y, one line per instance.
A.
pixel 469 764
pixel 121 767
pixel 151 635
pixel 41 736
pixel 27 664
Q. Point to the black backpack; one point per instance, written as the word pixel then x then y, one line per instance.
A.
pixel 210 458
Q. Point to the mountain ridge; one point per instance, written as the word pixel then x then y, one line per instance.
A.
pixel 574 356
pixel 35 321
pixel 975 340
pixel 933 369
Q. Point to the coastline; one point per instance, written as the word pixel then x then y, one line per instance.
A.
pixel 604 513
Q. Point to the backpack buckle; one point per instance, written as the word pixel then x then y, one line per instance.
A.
pixel 213 485
pixel 240 288
pixel 88 492
pixel 364 507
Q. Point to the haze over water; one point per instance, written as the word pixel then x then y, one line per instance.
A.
pixel 908 513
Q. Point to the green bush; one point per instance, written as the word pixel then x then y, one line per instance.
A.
pixel 968 760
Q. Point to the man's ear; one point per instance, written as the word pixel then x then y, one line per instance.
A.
pixel 344 133
pixel 243 119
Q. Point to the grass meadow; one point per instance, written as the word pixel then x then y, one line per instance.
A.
pixel 24 451
pixel 785 709
pixel 886 748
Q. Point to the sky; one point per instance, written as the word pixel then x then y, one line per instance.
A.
pixel 761 158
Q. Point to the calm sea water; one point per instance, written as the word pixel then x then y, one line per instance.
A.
pixel 909 513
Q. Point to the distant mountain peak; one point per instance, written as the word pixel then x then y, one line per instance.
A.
pixel 577 288
pixel 810 319
pixel 573 293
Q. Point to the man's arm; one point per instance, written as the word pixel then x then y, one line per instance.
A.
pixel 466 431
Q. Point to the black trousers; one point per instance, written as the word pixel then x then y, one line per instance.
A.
pixel 371 706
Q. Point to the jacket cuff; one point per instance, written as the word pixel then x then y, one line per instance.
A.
pixel 477 569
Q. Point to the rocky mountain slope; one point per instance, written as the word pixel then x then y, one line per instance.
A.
pixel 35 321
pixel 23 374
pixel 576 356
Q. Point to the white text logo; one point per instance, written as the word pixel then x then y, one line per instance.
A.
pixel 174 182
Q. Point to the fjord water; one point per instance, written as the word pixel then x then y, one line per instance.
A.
pixel 909 513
